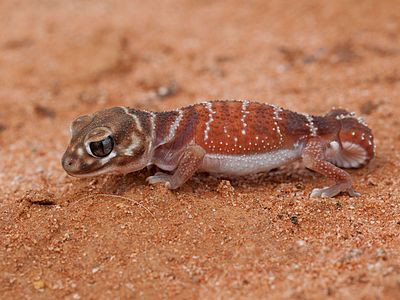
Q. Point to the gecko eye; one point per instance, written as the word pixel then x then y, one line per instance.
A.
pixel 102 148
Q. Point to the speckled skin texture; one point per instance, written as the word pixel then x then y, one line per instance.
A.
pixel 224 137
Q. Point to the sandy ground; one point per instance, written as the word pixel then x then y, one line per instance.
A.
pixel 256 238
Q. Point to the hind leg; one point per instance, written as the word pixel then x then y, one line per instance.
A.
pixel 314 159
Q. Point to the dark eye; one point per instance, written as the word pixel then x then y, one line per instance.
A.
pixel 102 148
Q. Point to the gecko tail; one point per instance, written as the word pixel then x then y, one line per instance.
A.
pixel 356 147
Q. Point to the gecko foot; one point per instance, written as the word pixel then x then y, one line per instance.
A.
pixel 161 177
pixel 329 192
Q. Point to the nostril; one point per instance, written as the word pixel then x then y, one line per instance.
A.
pixel 67 162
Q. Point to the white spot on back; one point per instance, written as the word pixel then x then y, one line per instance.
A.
pixel 174 126
pixel 152 124
pixel 277 118
pixel 245 112
pixel 310 124
pixel 208 105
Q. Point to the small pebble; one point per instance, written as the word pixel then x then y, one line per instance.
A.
pixel 38 284
pixel 294 220
pixel 76 296
pixel 301 243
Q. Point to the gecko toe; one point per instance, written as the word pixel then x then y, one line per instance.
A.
pixel 332 191
pixel 160 177
pixel 315 193
pixel 325 195
pixel 318 193
pixel 157 178
pixel 353 193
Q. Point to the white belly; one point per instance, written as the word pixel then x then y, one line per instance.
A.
pixel 238 165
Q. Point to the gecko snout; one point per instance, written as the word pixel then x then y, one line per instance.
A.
pixel 76 165
pixel 68 163
pixel 71 164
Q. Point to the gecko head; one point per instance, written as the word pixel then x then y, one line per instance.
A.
pixel 355 140
pixel 109 141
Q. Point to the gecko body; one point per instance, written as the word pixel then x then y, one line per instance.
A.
pixel 222 137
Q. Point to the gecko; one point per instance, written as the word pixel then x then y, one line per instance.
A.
pixel 232 138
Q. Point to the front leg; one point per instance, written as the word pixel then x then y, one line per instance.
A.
pixel 314 158
pixel 189 162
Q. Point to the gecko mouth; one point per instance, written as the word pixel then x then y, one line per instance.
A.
pixel 89 172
